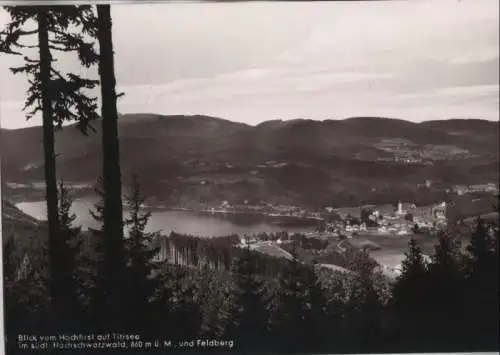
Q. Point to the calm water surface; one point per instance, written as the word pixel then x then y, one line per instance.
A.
pixel 166 221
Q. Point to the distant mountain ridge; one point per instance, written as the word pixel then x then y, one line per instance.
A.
pixel 211 159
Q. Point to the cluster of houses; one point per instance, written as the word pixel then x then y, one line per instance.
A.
pixel 382 220
pixel 467 189
pixel 286 210
pixel 265 208
pixel 401 221
pixel 254 241
pixel 272 164
pixel 348 222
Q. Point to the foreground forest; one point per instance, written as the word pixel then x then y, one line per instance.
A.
pixel 262 303
pixel 108 280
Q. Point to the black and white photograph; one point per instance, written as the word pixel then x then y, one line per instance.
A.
pixel 250 177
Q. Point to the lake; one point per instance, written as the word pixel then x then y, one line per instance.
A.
pixel 167 221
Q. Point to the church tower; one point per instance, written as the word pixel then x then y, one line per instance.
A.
pixel 400 207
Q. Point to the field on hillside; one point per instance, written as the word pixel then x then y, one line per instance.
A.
pixel 393 247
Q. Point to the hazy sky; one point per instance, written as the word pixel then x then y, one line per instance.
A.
pixel 251 62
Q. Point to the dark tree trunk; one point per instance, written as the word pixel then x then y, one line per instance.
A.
pixel 113 215
pixel 49 157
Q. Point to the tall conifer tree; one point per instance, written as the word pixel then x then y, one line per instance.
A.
pixel 409 294
pixel 447 284
pixel 69 258
pixel 250 315
pixel 482 286
pixel 114 247
pixel 58 96
pixel 142 272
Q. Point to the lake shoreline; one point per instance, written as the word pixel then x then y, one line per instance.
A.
pixel 179 220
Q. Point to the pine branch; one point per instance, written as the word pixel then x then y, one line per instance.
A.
pixel 29 60
pixel 60 49
pixel 9 51
pixel 11 37
pixel 27 68
pixel 76 42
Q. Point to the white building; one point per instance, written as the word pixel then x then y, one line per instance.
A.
pixel 382 229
